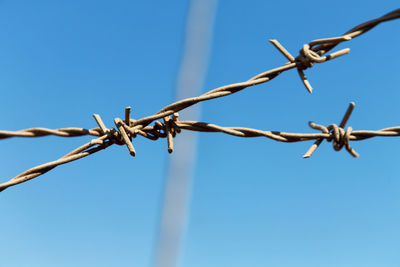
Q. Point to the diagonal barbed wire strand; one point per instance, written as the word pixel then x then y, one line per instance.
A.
pixel 311 53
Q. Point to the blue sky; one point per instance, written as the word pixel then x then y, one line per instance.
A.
pixel 255 202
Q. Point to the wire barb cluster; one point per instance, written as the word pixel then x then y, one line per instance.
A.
pixel 127 129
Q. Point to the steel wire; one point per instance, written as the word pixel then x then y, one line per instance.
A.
pixel 311 53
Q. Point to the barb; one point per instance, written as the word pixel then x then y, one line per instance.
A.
pixel 311 53
pixel 337 133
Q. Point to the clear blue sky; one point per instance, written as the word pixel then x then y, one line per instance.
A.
pixel 255 202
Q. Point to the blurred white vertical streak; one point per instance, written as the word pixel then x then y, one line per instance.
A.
pixel 190 79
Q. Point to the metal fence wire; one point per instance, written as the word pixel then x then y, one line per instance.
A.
pixel 166 123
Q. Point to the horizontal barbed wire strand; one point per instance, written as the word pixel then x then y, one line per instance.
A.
pixel 63 132
pixel 311 53
pixel 337 134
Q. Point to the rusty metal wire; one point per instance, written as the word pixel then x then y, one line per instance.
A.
pixel 311 53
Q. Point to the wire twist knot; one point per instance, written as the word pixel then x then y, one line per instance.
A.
pixel 312 53
pixel 305 60
pixel 337 135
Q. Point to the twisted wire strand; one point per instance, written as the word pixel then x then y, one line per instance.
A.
pixel 290 137
pixel 311 53
pixel 85 150
pixel 37 132
pixel 359 29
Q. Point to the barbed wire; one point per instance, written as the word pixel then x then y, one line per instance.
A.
pixel 170 126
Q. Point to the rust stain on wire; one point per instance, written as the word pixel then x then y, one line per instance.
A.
pixel 314 52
